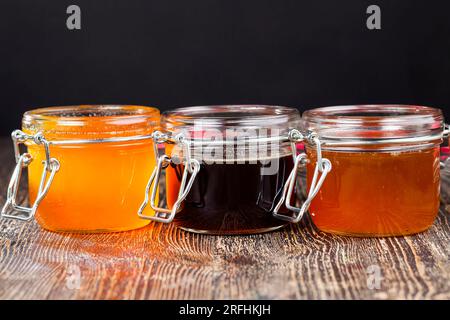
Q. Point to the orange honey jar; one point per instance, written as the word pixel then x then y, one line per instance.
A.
pixel 386 168
pixel 85 166
pixel 225 168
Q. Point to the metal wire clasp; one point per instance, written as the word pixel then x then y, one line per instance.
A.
pixel 191 166
pixel 323 167
pixel 446 131
pixel 51 166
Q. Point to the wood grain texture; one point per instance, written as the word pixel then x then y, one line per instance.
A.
pixel 162 262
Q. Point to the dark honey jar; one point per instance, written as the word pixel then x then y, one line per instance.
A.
pixel 226 168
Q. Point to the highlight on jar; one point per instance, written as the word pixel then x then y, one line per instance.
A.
pixel 85 167
pixel 386 168
pixel 229 169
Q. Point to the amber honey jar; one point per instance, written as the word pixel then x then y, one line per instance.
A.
pixel 85 166
pixel 386 168
pixel 225 168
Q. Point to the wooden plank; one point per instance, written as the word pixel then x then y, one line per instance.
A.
pixel 162 262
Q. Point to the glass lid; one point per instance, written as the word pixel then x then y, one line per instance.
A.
pixel 91 121
pixel 222 117
pixel 249 129
pixel 373 124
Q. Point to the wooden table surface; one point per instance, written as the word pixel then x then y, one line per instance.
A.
pixel 162 262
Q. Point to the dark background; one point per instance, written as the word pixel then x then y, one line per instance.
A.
pixel 172 53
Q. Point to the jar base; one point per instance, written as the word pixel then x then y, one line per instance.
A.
pixel 373 235
pixel 233 232
pixel 93 231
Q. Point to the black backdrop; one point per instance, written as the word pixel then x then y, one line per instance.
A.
pixel 171 53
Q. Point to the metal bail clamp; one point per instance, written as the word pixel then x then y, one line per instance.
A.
pixel 51 165
pixel 191 166
pixel 446 131
pixel 323 166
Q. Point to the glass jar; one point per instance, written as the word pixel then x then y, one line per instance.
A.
pixel 445 176
pixel 226 168
pixel 385 177
pixel 85 166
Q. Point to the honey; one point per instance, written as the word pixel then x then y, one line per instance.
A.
pixel 385 177
pixel 230 198
pixel 377 193
pixel 98 186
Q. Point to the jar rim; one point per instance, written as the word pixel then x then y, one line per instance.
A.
pixel 375 113
pixel 232 131
pixel 90 121
pixel 80 112
pixel 383 125
pixel 240 115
